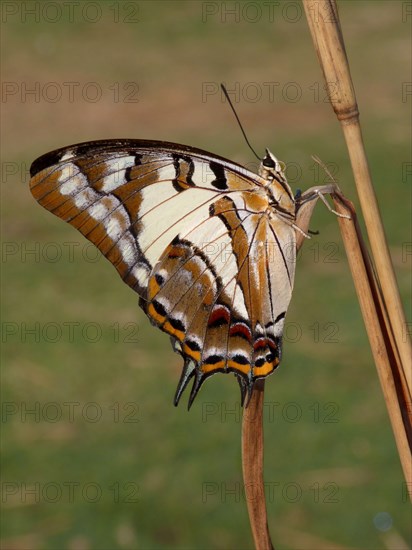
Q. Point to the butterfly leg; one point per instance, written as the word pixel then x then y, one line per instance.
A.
pixel 305 204
pixel 325 189
pixel 314 193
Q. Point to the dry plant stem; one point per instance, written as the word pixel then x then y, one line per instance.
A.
pixel 252 462
pixel 327 36
pixel 395 389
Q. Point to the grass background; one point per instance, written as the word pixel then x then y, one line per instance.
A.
pixel 120 467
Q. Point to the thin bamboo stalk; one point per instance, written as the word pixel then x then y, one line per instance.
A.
pixel 327 36
pixel 252 463
pixel 394 360
pixel 395 390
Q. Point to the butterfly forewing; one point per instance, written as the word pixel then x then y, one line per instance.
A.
pixel 189 232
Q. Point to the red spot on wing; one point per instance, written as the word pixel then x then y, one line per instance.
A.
pixel 219 316
pixel 263 343
pixel 239 329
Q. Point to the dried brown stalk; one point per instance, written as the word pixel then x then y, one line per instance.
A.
pixel 395 368
pixel 384 352
pixel 252 462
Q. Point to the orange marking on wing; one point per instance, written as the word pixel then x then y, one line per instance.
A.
pixel 209 297
pixel 153 288
pixel 179 334
pixel 154 315
pixel 194 269
pixel 192 353
pixel 176 252
pixel 207 367
pixel 256 202
pixel 266 368
pixel 183 185
pixel 239 367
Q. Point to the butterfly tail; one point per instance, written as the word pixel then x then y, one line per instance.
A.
pixel 199 379
pixel 188 372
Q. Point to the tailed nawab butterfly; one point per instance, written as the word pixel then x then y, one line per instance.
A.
pixel 209 246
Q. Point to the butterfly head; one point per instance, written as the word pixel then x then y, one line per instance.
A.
pixel 273 171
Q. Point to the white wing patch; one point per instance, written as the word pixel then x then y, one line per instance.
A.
pixel 98 211
pixel 186 209
pixel 214 241
pixel 71 180
pixel 117 168
pixel 202 174
pixel 166 173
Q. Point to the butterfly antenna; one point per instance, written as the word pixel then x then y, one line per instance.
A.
pixel 238 121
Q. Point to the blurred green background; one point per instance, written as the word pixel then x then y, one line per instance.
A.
pixel 104 460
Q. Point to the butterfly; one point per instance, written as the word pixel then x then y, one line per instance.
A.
pixel 209 246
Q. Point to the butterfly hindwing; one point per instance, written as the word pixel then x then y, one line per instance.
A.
pixel 190 233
